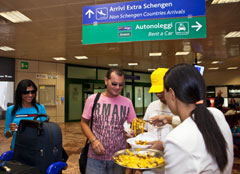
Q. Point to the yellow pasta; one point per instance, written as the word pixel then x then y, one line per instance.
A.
pixel 138 160
pixel 140 142
pixel 138 124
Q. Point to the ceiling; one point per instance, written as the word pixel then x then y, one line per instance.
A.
pixel 56 31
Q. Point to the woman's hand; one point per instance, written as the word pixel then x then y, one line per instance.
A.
pixel 98 147
pixel 156 145
pixel 13 127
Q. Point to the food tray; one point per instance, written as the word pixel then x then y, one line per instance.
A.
pixel 151 152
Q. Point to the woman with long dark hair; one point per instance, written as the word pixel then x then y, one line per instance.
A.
pixel 25 107
pixel 202 143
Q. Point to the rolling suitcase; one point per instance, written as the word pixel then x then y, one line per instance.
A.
pixel 38 143
pixel 15 167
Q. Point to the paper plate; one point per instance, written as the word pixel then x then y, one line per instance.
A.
pixel 143 137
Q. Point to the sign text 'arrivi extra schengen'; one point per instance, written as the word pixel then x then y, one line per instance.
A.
pixel 144 20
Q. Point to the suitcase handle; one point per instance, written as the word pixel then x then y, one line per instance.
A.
pixel 42 115
pixel 30 123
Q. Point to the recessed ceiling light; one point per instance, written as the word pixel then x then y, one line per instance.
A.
pixel 81 57
pixel 224 1
pixel 113 64
pixel 6 48
pixel 155 54
pixel 229 68
pixel 215 62
pixel 132 64
pixel 15 16
pixel 233 34
pixel 213 68
pixel 59 58
pixel 151 69
pixel 184 53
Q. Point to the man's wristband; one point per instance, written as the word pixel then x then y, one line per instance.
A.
pixel 93 140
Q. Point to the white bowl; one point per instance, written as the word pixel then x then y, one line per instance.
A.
pixel 143 137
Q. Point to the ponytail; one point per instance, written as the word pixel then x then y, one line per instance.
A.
pixel 213 137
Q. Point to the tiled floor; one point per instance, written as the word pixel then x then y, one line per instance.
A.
pixel 73 141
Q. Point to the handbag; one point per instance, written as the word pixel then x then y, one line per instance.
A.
pixel 84 153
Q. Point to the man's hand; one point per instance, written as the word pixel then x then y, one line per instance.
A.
pixel 161 120
pixel 98 147
pixel 129 135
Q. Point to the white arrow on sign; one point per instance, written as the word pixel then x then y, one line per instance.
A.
pixel 198 26
pixel 89 12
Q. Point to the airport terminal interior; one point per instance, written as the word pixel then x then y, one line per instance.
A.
pixel 66 50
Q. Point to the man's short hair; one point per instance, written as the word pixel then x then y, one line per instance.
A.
pixel 118 71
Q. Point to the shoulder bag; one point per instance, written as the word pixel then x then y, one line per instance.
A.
pixel 84 152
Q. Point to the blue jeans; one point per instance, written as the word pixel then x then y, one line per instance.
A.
pixel 95 166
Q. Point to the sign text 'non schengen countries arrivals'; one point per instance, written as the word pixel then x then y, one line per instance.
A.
pixel 163 29
pixel 142 10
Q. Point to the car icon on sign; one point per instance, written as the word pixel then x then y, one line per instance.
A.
pixel 181 27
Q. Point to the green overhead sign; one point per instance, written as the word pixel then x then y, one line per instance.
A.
pixel 164 29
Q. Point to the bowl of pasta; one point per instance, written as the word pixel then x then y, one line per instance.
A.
pixel 142 140
pixel 139 158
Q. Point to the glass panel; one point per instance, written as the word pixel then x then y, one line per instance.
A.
pixel 210 91
pixel 75 101
pixel 155 97
pixel 102 74
pixel 81 72
pixel 139 100
pixel 127 91
pixel 99 87
pixel 128 73
pixel 143 77
pixel 147 98
pixel 88 87
pixel 6 98
pixel 234 91
pixel 87 90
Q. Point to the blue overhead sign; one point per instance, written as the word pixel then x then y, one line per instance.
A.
pixel 142 10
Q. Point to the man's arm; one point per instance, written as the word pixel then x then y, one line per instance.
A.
pixel 161 120
pixel 96 144
pixel 86 129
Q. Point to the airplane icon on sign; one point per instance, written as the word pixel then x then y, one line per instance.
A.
pixel 101 13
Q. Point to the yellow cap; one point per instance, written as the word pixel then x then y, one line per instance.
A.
pixel 157 80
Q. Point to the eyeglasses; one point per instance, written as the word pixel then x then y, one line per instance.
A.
pixel 119 84
pixel 28 92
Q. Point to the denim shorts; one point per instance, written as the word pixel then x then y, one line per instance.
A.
pixel 95 166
